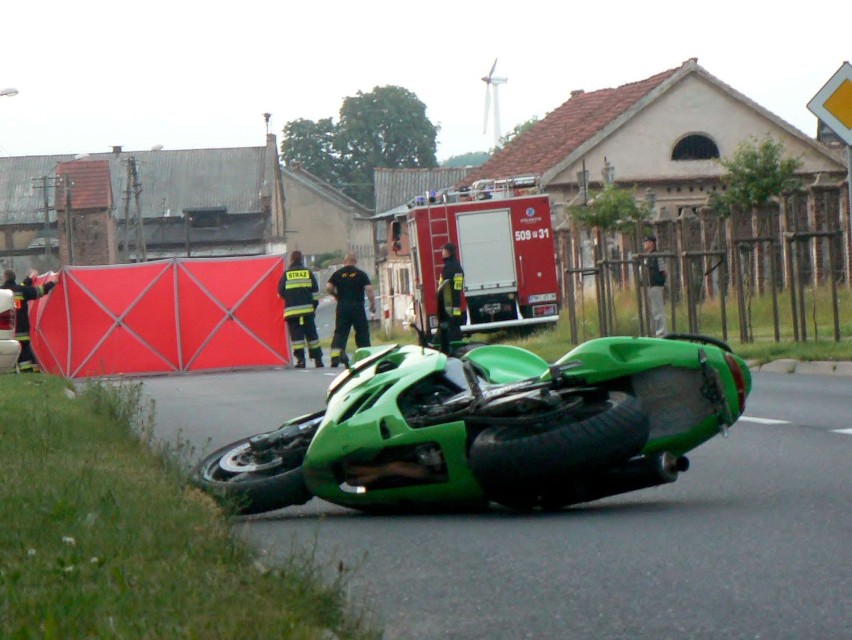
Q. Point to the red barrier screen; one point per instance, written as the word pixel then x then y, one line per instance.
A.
pixel 190 314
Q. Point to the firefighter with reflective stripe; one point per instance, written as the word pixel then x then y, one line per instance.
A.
pixel 300 291
pixel 349 285
pixel 450 289
pixel 24 292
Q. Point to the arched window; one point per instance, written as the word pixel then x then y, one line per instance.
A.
pixel 695 147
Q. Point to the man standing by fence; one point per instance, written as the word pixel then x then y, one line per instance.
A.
pixel 656 283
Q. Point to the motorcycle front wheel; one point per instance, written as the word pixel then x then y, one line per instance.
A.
pixel 261 473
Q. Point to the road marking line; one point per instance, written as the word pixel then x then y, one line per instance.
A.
pixel 847 432
pixel 764 420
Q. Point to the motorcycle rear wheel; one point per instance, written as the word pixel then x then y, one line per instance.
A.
pixel 247 482
pixel 523 468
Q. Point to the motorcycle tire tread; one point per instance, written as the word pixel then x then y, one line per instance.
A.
pixel 506 459
pixel 255 495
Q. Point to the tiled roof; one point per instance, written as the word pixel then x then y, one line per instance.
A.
pixel 90 185
pixel 548 142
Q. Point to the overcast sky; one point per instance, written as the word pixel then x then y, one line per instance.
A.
pixel 186 74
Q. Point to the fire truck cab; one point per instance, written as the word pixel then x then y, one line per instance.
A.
pixel 504 235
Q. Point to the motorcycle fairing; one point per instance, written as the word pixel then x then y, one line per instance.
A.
pixel 370 431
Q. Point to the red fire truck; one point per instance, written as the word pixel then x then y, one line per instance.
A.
pixel 505 242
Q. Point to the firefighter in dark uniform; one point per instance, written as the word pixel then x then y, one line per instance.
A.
pixel 24 292
pixel 348 285
pixel 450 289
pixel 300 291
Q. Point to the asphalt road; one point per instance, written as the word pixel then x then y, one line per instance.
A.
pixel 754 541
pixel 324 317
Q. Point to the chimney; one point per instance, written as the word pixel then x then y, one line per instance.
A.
pixel 116 149
pixel 577 92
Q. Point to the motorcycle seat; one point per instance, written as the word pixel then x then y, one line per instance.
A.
pixel 502 363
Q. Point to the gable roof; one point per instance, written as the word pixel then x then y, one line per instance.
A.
pixel 549 141
pixel 395 187
pixel 171 180
pixel 550 146
pixel 324 189
pixel 90 185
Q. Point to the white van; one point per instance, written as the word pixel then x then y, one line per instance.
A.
pixel 9 347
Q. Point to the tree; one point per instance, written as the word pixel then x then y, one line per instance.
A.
pixel 328 259
pixel 471 159
pixel 612 208
pixel 757 173
pixel 386 127
pixel 518 130
pixel 476 158
pixel 311 144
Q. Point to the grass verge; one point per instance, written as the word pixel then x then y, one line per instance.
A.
pixel 554 342
pixel 102 537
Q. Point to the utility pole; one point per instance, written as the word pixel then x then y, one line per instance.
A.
pixel 134 186
pixel 41 182
pixel 141 251
pixel 125 232
pixel 69 220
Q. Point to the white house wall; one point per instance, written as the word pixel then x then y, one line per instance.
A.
pixel 641 149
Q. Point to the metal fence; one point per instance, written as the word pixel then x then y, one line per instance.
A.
pixel 794 248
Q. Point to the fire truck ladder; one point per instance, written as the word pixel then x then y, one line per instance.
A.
pixel 439 235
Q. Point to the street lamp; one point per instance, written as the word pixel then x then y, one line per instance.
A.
pixel 8 91
pixel 608 172
pixel 583 182
pixel 650 201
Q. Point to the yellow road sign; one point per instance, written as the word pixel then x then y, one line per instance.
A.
pixel 833 103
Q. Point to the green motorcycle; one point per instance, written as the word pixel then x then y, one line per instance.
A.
pixel 412 428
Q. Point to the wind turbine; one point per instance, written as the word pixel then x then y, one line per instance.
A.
pixel 492 82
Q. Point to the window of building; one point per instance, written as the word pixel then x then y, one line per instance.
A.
pixel 203 218
pixel 404 282
pixel 695 147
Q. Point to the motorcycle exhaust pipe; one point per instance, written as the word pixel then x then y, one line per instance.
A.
pixel 635 474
